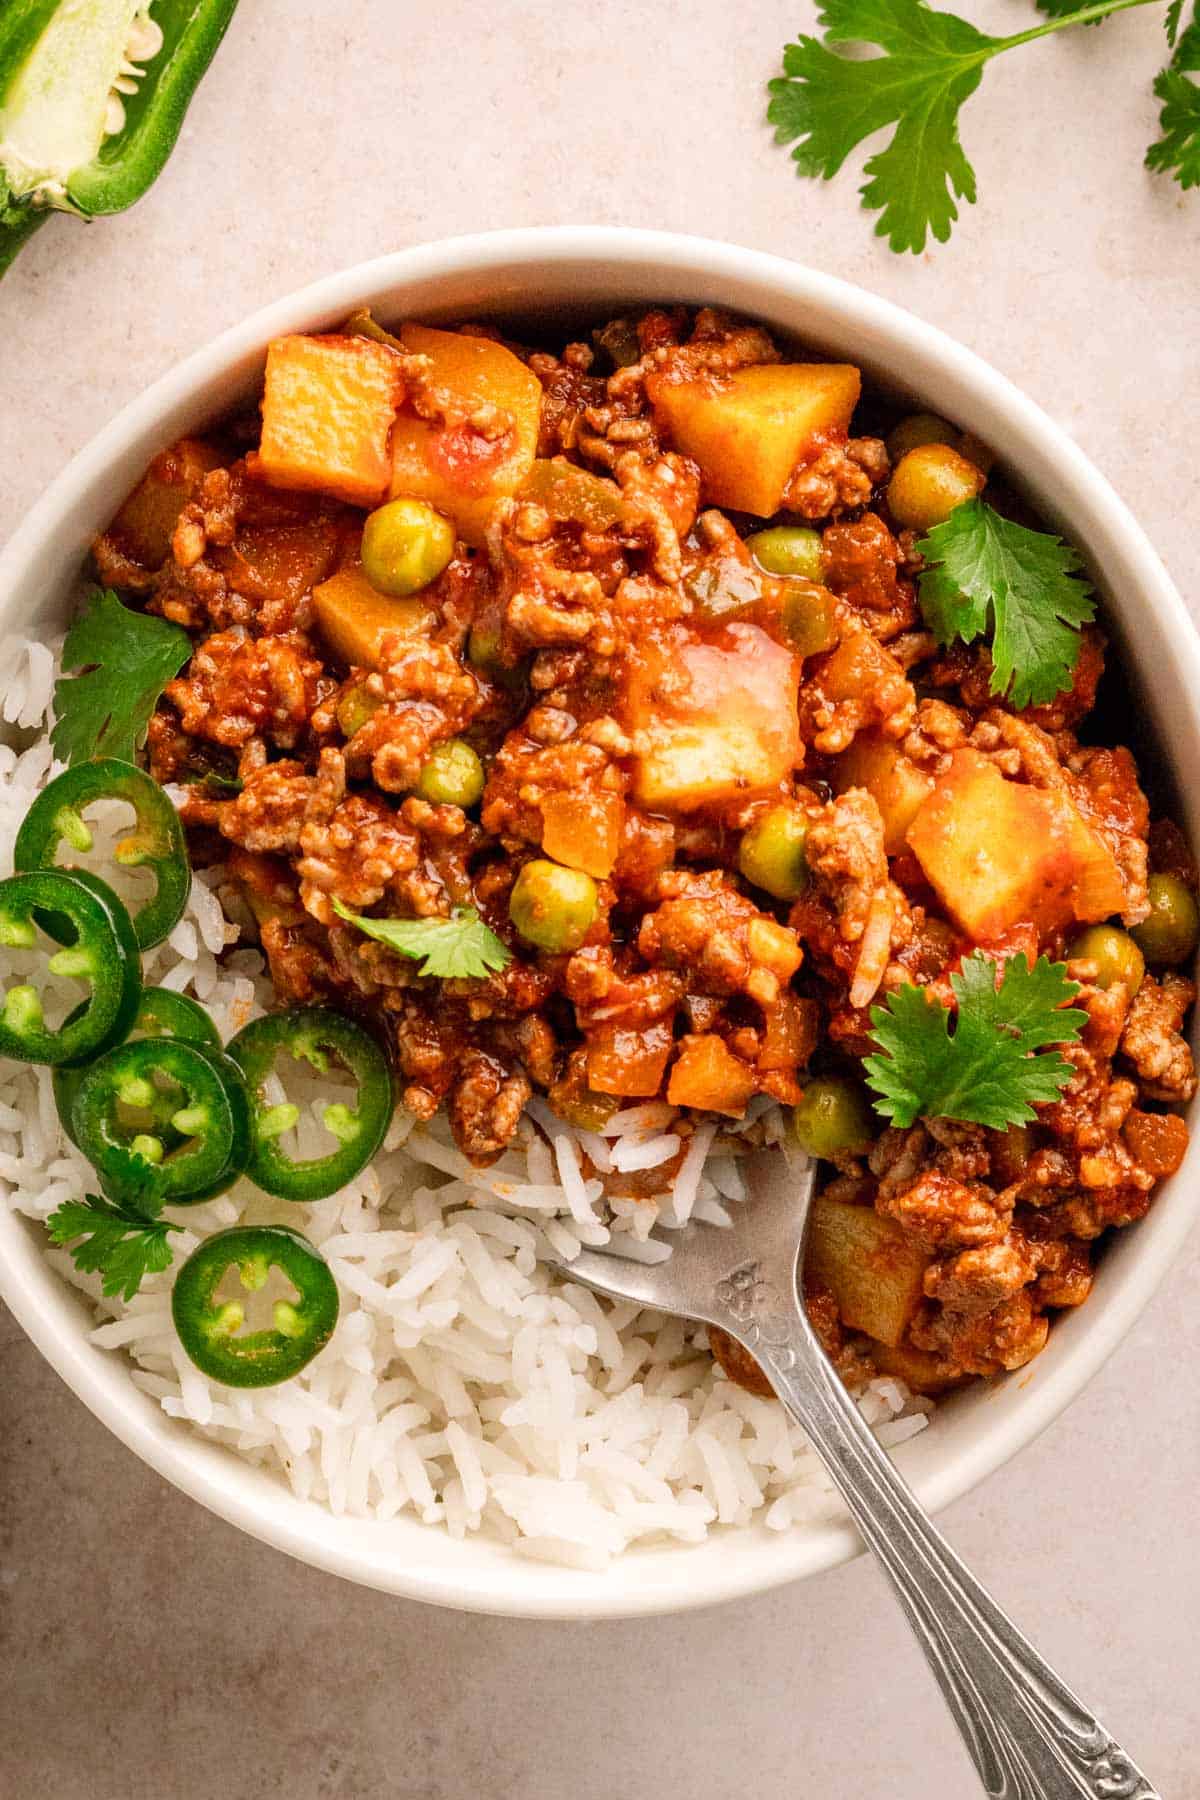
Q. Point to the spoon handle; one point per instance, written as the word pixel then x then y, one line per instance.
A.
pixel 1027 1734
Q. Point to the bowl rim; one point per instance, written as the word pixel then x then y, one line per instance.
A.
pixel 42 1303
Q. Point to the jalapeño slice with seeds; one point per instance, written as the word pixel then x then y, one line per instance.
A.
pixel 161 1013
pixel 323 1038
pixel 163 1122
pixel 208 1329
pixel 55 823
pixel 84 915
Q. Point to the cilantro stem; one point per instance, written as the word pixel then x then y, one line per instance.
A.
pixel 1086 16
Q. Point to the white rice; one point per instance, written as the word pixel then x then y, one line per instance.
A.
pixel 469 1381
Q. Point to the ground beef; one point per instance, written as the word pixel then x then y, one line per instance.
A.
pixel 724 943
pixel 562 644
pixel 238 687
pixel 486 1104
pixel 945 1214
pixel 837 479
pixel 1152 1040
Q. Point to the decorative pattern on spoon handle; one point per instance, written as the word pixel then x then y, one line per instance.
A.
pixel 1028 1735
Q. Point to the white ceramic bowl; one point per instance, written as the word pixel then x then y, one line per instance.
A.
pixel 587 273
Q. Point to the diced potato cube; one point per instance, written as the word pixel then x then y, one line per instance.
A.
pixel 871 1267
pixel 790 1031
pixel 328 407
pixel 459 467
pixel 354 619
pixel 282 562
pixel 1158 1141
pixel 999 853
pixel 923 1373
pixel 707 1074
pixel 860 666
pixel 898 786
pixel 748 430
pixel 629 1062
pixel 146 523
pixel 692 764
pixel 583 830
pixel 715 719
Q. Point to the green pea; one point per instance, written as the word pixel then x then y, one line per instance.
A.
pixel 833 1117
pixel 451 775
pixel 405 546
pixel 919 428
pixel 929 483
pixel 789 550
pixel 809 617
pixel 483 646
pixel 552 907
pixel 355 707
pixel 1116 956
pixel 485 653
pixel 771 853
pixel 1170 932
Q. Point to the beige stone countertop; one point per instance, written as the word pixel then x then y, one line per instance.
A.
pixel 147 1650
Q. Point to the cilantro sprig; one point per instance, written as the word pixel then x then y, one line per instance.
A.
pixel 826 103
pixel 994 1067
pixel 126 660
pixel 460 948
pixel 1177 151
pixel 1025 590
pixel 123 1243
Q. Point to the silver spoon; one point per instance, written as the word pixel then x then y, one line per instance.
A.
pixel 1027 1734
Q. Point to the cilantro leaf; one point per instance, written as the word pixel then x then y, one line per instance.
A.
pixel 826 103
pixel 1027 584
pixel 1173 20
pixel 126 659
pixel 1177 151
pixel 116 1239
pixel 986 1070
pixel 1187 50
pixel 455 949
pixel 933 62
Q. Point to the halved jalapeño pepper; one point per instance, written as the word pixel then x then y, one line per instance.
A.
pixel 85 916
pixel 208 1328
pixel 55 820
pixel 163 1122
pixel 161 1013
pixel 92 98
pixel 323 1038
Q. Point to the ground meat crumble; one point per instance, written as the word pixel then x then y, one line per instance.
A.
pixel 575 599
